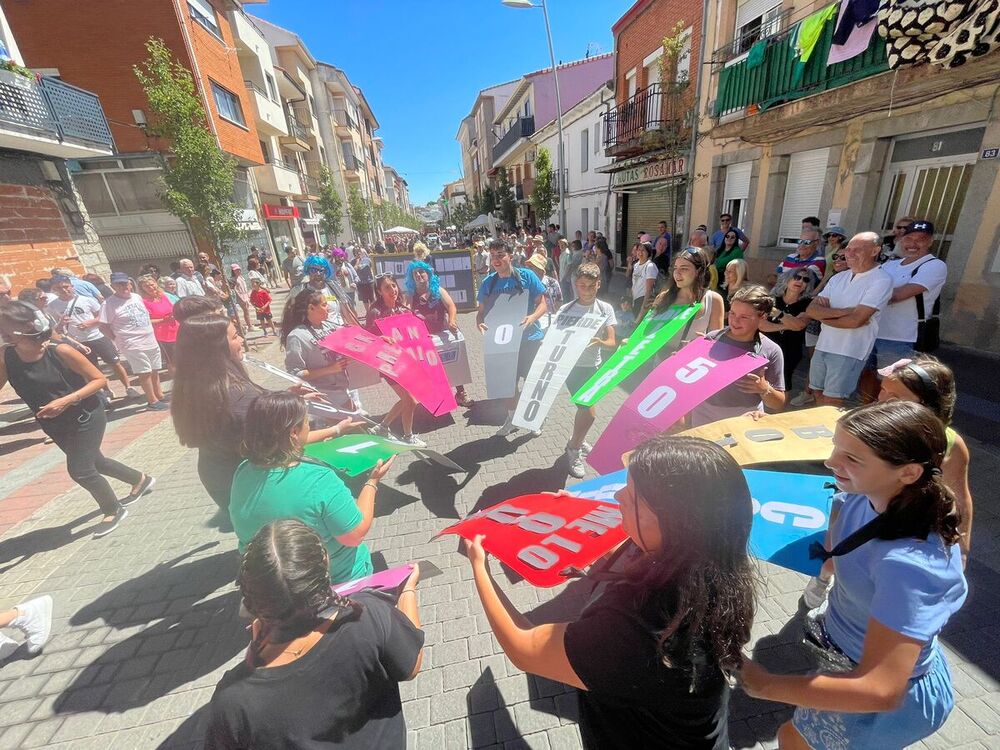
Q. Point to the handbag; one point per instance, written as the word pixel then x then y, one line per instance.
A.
pixel 928 329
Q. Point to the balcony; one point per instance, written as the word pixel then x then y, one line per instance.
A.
pixel 780 78
pixel 523 128
pixel 246 33
pixel 343 119
pixel 278 178
pixel 651 119
pixel 310 186
pixel 298 134
pixel 47 116
pixel 267 113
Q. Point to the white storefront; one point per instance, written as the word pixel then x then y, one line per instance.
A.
pixel 589 203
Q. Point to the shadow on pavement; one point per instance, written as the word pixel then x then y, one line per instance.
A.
pixel 436 489
pixel 18 549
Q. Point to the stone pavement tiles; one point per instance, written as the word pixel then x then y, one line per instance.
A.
pixel 146 619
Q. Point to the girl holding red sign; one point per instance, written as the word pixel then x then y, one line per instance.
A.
pixel 651 653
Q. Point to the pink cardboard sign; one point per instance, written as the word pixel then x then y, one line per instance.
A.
pixel 410 332
pixel 386 579
pixel 389 359
pixel 691 375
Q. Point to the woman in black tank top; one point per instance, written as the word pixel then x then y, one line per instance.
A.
pixel 60 386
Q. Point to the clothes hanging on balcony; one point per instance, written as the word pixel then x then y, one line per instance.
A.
pixel 810 30
pixel 944 33
pixel 853 37
pixel 757 53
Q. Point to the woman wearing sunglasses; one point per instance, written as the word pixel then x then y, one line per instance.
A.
pixel 729 250
pixel 786 325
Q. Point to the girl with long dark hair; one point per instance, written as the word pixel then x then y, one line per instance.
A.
pixel 321 670
pixel 898 580
pixel 651 653
pixel 61 388
pixel 689 284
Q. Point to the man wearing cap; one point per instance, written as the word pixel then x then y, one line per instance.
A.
pixel 80 286
pixel 187 283
pixel 125 318
pixel 917 280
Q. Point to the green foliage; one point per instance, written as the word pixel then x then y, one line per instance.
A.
pixel 330 205
pixel 197 182
pixel 542 197
pixel 488 201
pixel 357 209
pixel 673 45
pixel 505 197
pixel 390 215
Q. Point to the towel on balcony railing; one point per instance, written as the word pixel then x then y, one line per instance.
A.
pixel 810 30
pixel 937 32
pixel 855 26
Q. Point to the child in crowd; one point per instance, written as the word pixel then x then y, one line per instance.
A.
pixel 260 298
pixel 626 320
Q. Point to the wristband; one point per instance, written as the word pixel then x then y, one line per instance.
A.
pixel 373 485
pixel 407 591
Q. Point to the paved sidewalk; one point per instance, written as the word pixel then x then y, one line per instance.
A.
pixel 146 618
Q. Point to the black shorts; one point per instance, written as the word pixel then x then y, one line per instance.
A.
pixel 261 317
pixel 526 355
pixel 367 292
pixel 167 351
pixel 578 377
pixel 103 348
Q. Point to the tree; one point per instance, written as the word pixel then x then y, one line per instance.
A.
pixel 198 176
pixel 488 201
pixel 357 209
pixel 330 205
pixel 505 197
pixel 542 198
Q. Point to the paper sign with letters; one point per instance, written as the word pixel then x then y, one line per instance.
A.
pixel 790 512
pixel 564 342
pixel 652 334
pixel 684 380
pixel 410 332
pixel 356 454
pixel 502 341
pixel 805 435
pixel 542 537
pixel 454 356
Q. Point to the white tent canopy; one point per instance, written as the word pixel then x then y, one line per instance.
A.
pixel 480 221
pixel 401 230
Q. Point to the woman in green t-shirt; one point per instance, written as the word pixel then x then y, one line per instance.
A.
pixel 276 482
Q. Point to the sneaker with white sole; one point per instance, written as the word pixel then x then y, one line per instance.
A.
pixel 815 592
pixel 585 448
pixel 508 427
pixel 575 461
pixel 144 486
pixel 34 619
pixel 413 440
pixel 803 399
pixel 7 647
pixel 106 527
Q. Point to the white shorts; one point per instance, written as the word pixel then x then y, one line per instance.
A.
pixel 142 362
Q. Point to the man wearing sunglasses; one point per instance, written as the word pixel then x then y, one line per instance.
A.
pixel 807 253
pixel 726 225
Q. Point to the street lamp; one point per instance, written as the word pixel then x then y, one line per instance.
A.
pixel 555 78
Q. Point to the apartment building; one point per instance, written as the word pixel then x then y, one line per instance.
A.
pixel 647 131
pixel 533 100
pixel 453 195
pixel 396 189
pixel 62 37
pixel 590 203
pixel 835 131
pixel 476 136
pixel 44 122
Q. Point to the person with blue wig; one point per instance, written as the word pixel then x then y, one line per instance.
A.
pixel 432 303
pixel 319 277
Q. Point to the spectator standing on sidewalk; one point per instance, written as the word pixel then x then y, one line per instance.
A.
pixel 187 282
pixel 60 387
pixel 726 225
pixel 808 253
pixel 78 317
pixel 125 318
pixel 34 619
pixel 161 315
pixel 282 695
pixel 849 308
pixel 239 286
pixel 292 267
pixel 260 298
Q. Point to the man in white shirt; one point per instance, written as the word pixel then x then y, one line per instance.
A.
pixel 124 317
pixel 187 282
pixel 849 308
pixel 77 317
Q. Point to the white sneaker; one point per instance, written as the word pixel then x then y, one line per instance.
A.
pixel 803 399
pixel 7 647
pixel 381 430
pixel 413 440
pixel 585 448
pixel 508 427
pixel 535 433
pixel 815 592
pixel 575 460
pixel 35 621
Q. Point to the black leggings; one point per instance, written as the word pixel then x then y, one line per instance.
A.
pixel 216 470
pixel 87 466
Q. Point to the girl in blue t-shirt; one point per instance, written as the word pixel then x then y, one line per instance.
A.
pixel 898 580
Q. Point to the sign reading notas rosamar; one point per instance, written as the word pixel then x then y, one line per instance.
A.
pixel 650 172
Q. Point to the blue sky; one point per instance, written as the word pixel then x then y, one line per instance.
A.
pixel 422 62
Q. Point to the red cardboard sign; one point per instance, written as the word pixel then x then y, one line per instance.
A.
pixel 541 536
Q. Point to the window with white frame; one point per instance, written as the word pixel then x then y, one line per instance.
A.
pixel 597 137
pixel 584 150
pixel 584 226
pixel 755 20
pixel 228 104
pixel 203 13
pixel 684 57
pixel 630 83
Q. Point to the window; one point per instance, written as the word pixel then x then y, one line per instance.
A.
pixel 630 83
pixel 228 104
pixel 755 19
pixel 803 192
pixel 597 137
pixel 203 12
pixel 135 191
pixel 584 227
pixel 272 89
pixel 264 150
pixel 312 106
pixel 736 192
pixel 95 194
pixel 684 58
pixel 345 149
pixel 584 150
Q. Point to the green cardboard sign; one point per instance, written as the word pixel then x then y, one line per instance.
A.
pixel 654 332
pixel 355 454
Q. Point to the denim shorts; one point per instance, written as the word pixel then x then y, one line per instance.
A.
pixel 834 375
pixel 887 352
pixel 927 703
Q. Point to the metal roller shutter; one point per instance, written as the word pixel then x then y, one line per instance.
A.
pixel 128 252
pixel 737 181
pixel 803 192
pixel 750 9
pixel 649 207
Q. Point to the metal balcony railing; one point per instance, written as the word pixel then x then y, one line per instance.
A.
pixel 251 86
pixel 51 108
pixel 310 185
pixel 770 24
pixel 344 118
pixel 283 164
pixel 780 76
pixel 523 128
pixel 297 129
pixel 648 119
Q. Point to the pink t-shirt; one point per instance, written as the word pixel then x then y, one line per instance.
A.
pixel 161 308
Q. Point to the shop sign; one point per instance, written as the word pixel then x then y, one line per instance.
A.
pixel 650 172
pixel 280 213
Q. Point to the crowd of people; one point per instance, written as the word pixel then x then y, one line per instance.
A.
pixel 678 595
